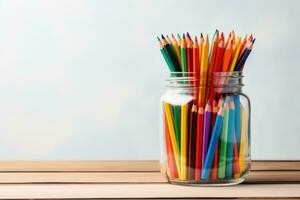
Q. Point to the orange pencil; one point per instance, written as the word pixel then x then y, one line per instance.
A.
pixel 198 159
pixel 227 56
pixel 201 41
pixel 228 39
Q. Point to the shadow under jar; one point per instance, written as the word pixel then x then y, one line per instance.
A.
pixel 205 129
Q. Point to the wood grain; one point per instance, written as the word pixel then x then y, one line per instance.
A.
pixel 71 191
pixel 119 166
pixel 78 166
pixel 132 177
pixel 136 179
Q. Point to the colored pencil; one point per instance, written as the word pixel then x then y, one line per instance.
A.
pixel 236 165
pixel 192 142
pixel 206 130
pixel 196 68
pixel 237 120
pixel 184 140
pixel 189 55
pixel 214 170
pixel 244 57
pixel 227 56
pixel 242 158
pixel 230 140
pixel 198 159
pixel 176 111
pixel 223 142
pixel 176 48
pixel 212 145
pixel 203 71
pixel 236 53
pixel 201 42
pixel 213 53
pixel 243 46
pixel 170 155
pixel 165 55
pixel 219 57
pixel 169 118
pixel 183 54
pixel 171 52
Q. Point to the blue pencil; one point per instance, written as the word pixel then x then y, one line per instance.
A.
pixel 230 140
pixel 237 121
pixel 213 145
pixel 240 64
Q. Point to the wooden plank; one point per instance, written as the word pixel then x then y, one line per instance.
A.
pixel 75 191
pixel 276 165
pixel 131 177
pixel 78 166
pixel 273 177
pixel 99 166
pixel 83 177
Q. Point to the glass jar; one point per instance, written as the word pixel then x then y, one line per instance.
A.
pixel 205 129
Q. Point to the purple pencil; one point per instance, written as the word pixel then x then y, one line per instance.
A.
pixel 206 130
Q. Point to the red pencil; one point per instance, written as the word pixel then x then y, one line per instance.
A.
pixel 196 67
pixel 219 57
pixel 198 159
pixel 189 55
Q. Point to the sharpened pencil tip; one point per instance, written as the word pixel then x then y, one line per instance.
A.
pixel 178 35
pixel 158 38
pixel 162 36
pixel 253 40
pixel 188 35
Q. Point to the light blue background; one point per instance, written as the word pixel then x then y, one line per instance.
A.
pixel 83 79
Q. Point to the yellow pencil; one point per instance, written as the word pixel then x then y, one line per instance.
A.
pixel 242 160
pixel 172 135
pixel 176 48
pixel 183 141
pixel 236 53
pixel 213 53
pixel 203 70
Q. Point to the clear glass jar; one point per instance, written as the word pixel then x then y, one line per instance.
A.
pixel 205 129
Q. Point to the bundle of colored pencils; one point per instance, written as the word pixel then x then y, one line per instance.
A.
pixel 206 138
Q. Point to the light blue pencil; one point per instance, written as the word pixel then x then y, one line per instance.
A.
pixel 230 140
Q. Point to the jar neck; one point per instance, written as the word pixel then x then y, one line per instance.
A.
pixel 219 82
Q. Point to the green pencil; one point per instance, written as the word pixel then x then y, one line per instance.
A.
pixel 171 53
pixel 223 142
pixel 165 55
pixel 183 54
pixel 177 122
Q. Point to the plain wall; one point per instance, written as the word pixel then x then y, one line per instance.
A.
pixel 83 79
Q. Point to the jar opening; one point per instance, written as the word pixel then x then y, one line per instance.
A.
pixel 221 82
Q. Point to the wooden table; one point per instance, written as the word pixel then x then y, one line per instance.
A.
pixel 136 179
